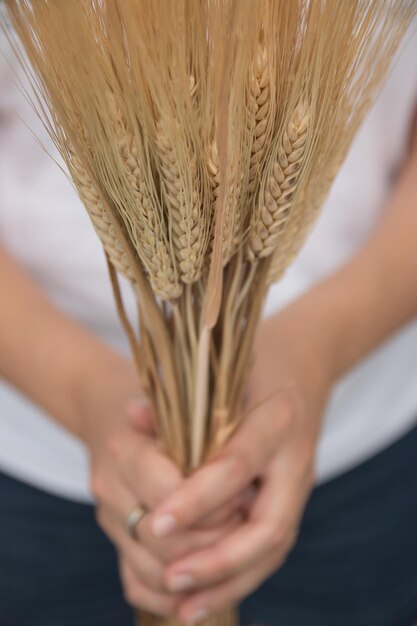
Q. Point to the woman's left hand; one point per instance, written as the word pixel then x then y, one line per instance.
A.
pixel 274 446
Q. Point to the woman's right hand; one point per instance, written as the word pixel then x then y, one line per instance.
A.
pixel 128 468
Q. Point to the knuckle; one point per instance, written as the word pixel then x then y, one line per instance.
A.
pixel 169 551
pixel 157 548
pixel 155 497
pixel 168 555
pixel 151 577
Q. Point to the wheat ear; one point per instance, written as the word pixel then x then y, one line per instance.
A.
pixel 150 239
pixel 232 220
pixel 303 215
pixel 277 194
pixel 183 202
pixel 260 109
pixel 99 218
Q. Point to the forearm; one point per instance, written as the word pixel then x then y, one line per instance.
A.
pixel 58 364
pixel 346 317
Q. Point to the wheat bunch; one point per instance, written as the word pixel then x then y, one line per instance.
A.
pixel 203 136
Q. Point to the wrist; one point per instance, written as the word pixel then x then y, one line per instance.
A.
pixel 337 323
pixel 106 382
pixel 304 346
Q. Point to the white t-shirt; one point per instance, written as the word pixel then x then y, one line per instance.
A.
pixel 46 229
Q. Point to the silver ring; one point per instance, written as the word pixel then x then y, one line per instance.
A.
pixel 134 518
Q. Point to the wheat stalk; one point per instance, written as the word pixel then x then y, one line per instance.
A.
pixel 182 197
pixel 261 107
pixel 152 245
pixel 233 211
pixel 303 216
pixel 276 201
pixel 114 248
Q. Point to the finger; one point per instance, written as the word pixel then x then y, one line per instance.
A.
pixel 146 470
pixel 270 529
pixel 139 595
pixel 239 504
pixel 140 416
pixel 111 491
pixel 162 551
pixel 243 459
pixel 179 545
pixel 142 562
pixel 200 605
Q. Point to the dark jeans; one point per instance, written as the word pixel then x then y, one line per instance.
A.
pixel 355 563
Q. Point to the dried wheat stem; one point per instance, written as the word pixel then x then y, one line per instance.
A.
pixel 277 197
pixel 229 332
pixel 184 355
pixel 199 422
pixel 183 200
pixel 100 219
pixel 260 107
pixel 154 249
pixel 254 302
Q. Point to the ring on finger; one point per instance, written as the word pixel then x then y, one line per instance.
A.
pixel 134 518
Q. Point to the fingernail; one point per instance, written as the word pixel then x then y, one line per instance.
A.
pixel 197 617
pixel 164 525
pixel 182 582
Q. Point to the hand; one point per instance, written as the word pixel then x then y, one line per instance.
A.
pixel 275 445
pixel 129 468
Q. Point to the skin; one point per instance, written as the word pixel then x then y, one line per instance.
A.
pixel 210 556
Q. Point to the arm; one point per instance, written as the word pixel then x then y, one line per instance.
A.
pixel 376 293
pixel 61 366
pixel 87 387
pixel 318 338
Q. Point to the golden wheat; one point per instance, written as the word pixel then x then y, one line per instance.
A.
pixel 183 201
pixel 152 246
pixel 277 199
pixel 99 217
pixel 261 108
pixel 233 212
